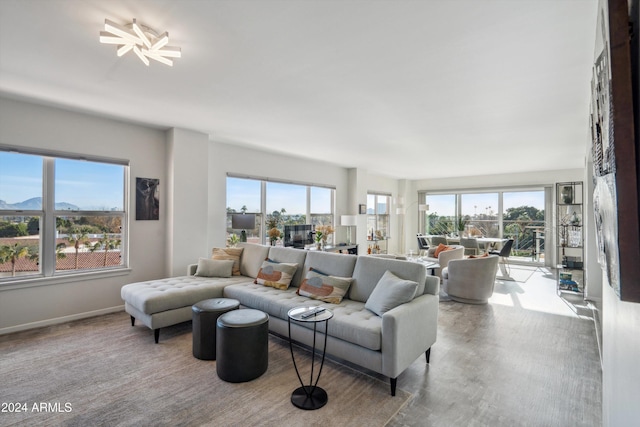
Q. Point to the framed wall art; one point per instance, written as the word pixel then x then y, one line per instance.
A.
pixel 615 151
pixel 147 199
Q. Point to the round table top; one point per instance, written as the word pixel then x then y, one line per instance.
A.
pixel 244 318
pixel 297 314
pixel 216 304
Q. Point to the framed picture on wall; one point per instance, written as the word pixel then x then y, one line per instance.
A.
pixel 362 209
pixel 616 198
pixel 147 199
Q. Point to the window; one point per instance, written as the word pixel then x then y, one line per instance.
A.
pixel 321 205
pixel 286 204
pixel 478 213
pixel 60 215
pixel 244 196
pixel 378 216
pixel 277 204
pixel 509 214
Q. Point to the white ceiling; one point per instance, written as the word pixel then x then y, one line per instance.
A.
pixel 408 89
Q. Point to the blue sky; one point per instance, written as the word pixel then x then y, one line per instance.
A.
pixel 291 197
pixel 88 185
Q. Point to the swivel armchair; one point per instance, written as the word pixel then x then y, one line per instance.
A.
pixel 470 280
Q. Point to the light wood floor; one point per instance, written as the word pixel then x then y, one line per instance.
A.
pixel 528 358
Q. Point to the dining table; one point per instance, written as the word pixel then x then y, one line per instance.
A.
pixel 491 243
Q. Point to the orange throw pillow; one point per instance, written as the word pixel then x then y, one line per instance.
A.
pixel 441 248
pixel 479 256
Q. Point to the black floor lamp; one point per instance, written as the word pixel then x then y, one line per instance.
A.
pixel 243 222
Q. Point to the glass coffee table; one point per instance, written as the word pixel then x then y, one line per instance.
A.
pixel 310 396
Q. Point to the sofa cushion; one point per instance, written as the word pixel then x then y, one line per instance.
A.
pixel 340 265
pixel 323 287
pixel 290 255
pixel 369 270
pixel 214 268
pixel 155 296
pixel 390 292
pixel 351 321
pixel 252 257
pixel 276 274
pixel 229 253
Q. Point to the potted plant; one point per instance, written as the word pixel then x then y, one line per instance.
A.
pixel 322 233
pixel 232 240
pixel 461 225
pixel 274 235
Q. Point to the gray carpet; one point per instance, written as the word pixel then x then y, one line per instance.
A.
pixel 103 372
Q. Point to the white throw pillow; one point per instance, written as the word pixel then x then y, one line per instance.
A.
pixel 390 292
pixel 214 268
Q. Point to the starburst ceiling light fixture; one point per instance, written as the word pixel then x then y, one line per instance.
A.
pixel 142 40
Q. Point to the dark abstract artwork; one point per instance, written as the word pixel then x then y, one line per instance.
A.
pixel 147 199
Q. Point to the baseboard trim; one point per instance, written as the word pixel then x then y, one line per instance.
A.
pixel 58 320
pixel 597 325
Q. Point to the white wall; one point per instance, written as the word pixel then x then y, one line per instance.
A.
pixel 187 199
pixel 502 180
pixel 30 125
pixel 620 356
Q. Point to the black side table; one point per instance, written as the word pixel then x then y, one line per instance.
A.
pixel 309 396
pixel 205 315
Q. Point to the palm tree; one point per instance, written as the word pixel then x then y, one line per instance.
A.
pixel 77 237
pixel 12 253
pixel 34 254
pixel 107 242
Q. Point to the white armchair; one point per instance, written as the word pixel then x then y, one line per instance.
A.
pixel 470 280
pixel 444 257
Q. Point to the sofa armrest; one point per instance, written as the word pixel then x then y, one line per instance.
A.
pixel 408 331
pixel 432 285
pixel 191 269
pixel 445 256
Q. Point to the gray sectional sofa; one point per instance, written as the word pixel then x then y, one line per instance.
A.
pixel 386 343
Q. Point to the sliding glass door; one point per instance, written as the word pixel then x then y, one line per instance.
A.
pixel 509 214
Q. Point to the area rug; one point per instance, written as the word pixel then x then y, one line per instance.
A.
pixel 103 372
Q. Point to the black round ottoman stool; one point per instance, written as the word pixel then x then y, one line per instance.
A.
pixel 242 345
pixel 205 314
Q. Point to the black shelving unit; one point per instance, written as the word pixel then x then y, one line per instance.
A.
pixel 570 236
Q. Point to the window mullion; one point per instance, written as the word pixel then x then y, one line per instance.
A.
pixel 263 209
pixel 48 233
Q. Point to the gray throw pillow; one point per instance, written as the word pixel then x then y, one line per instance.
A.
pixel 214 268
pixel 390 292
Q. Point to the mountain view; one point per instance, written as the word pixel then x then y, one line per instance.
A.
pixel 35 204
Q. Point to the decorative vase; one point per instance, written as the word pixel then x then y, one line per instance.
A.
pixel 273 242
pixel 319 246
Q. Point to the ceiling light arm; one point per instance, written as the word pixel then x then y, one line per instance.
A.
pixel 142 40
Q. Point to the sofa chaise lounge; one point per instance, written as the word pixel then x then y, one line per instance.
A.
pixel 387 343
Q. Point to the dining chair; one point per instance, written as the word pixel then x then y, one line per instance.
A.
pixel 423 244
pixel 436 240
pixel 470 244
pixel 504 254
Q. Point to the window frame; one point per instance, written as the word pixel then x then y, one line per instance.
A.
pixel 379 218
pixel 546 189
pixel 48 230
pixel 261 215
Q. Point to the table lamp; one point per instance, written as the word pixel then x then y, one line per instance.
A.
pixel 348 221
